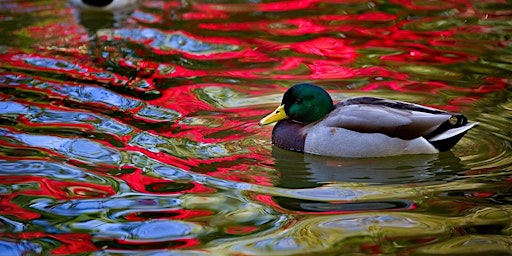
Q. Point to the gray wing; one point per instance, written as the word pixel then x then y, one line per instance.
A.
pixel 393 118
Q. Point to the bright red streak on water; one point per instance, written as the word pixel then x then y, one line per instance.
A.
pixel 8 208
pixel 140 183
pixel 325 46
pixel 74 243
pixel 175 244
pixel 71 243
pixel 458 4
pixel 240 230
pixel 61 189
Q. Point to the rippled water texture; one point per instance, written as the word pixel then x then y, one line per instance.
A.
pixel 135 132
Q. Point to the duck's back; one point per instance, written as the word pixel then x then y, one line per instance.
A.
pixel 394 118
pixel 371 127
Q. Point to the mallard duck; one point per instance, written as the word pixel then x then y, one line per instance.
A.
pixel 308 121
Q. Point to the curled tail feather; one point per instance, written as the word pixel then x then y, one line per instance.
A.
pixel 449 133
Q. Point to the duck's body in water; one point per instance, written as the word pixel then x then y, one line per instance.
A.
pixel 309 122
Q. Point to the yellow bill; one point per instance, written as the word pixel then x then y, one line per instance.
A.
pixel 275 116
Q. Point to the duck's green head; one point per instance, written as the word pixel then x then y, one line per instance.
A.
pixel 304 103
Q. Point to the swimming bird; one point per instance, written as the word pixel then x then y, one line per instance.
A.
pixel 309 122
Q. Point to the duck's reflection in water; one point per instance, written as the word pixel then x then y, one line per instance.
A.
pixel 96 15
pixel 300 171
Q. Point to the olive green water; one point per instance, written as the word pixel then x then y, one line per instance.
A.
pixel 135 132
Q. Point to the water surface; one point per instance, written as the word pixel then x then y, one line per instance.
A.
pixel 135 132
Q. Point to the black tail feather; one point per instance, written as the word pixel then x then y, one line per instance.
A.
pixel 454 122
pixel 447 144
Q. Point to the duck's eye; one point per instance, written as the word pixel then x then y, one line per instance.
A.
pixel 298 101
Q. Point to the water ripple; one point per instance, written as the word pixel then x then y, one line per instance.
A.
pixel 81 149
pixel 42 168
pixel 19 247
pixel 167 42
pixel 373 230
pixel 155 230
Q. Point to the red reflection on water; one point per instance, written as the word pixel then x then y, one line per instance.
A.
pixel 136 245
pixel 483 194
pixel 62 33
pixel 426 6
pixel 290 27
pixel 70 243
pixel 200 15
pixel 240 230
pixel 368 16
pixel 140 182
pixel 326 46
pixel 74 243
pixel 10 208
pixel 60 189
pixel 371 248
pixel 287 5
pixel 68 67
